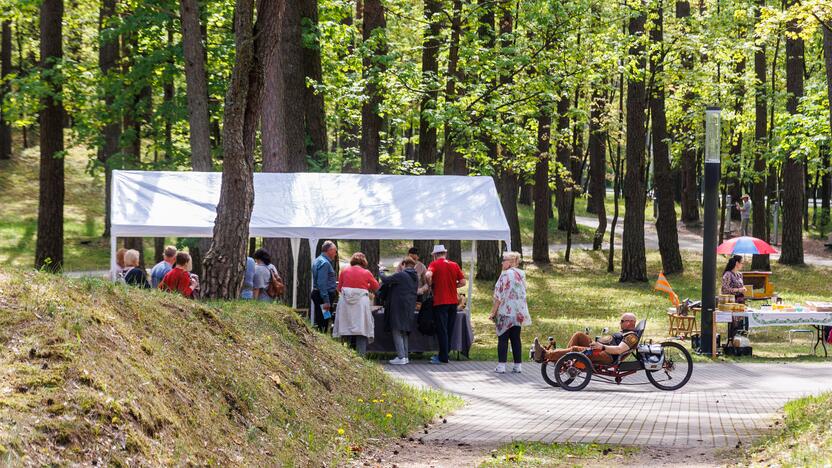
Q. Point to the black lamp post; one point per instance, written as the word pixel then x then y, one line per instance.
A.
pixel 711 223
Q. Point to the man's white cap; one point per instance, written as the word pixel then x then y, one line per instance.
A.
pixel 438 248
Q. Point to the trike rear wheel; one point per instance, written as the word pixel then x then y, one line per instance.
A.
pixel 573 371
pixel 676 370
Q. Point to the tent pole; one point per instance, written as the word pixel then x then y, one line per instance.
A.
pixel 471 276
pixel 295 256
pixel 312 244
pixel 113 244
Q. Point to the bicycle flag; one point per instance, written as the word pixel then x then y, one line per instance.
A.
pixel 663 285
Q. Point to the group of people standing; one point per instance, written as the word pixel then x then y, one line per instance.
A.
pixel 434 286
pixel 171 274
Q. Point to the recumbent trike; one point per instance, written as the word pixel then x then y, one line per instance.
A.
pixel 668 366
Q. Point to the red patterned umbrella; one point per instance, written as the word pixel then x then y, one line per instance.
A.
pixel 745 245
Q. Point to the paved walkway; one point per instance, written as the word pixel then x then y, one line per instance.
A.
pixel 723 404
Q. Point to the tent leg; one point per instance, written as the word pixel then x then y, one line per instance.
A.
pixel 113 244
pixel 312 244
pixel 295 255
pixel 471 276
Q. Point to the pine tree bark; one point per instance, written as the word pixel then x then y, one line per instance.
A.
pixel 454 163
pixel 283 134
pixel 540 242
pixel 633 256
pixel 598 165
pixel 509 178
pixel 196 83
pixel 793 179
pixel 563 175
pixel 426 154
pixel 49 250
pixel 371 121
pixel 758 191
pixel 107 60
pixel 688 159
pixel 488 263
pixel 225 261
pixel 314 101
pixel 826 181
pixel 5 69
pixel 666 220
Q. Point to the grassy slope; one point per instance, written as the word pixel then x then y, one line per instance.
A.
pixel 804 440
pixel 92 371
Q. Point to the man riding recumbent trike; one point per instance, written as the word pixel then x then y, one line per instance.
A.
pixel 668 365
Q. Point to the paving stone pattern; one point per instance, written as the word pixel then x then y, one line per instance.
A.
pixel 721 405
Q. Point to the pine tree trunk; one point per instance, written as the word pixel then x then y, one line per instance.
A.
pixel 633 256
pixel 196 82
pixel 375 25
pixel 314 101
pixel 758 190
pixel 5 69
pixel 666 220
pixel 225 261
pixel 454 163
pixel 49 250
pixel 687 134
pixel 598 166
pixel 793 178
pixel 540 243
pixel 488 263
pixel 563 170
pixel 107 60
pixel 507 186
pixel 426 155
pixel 283 134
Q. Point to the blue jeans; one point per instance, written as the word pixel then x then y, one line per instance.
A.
pixel 445 316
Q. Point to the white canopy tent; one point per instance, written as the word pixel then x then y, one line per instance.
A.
pixel 312 206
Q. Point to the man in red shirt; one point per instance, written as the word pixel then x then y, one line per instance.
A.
pixel 445 277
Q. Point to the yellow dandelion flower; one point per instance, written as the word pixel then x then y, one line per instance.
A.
pixel 340 431
pixel 361 400
pixel 388 415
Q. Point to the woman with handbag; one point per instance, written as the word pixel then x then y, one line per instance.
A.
pixel 354 319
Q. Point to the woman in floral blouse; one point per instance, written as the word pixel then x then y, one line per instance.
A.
pixel 732 279
pixel 510 311
pixel 732 284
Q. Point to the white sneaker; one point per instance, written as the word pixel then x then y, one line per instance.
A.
pixel 398 361
pixel 501 368
pixel 407 360
pixel 516 369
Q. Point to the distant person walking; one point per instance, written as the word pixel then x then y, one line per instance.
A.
pixel 399 294
pixel 179 278
pixel 445 277
pixel 324 290
pixel 354 319
pixel 510 311
pixel 162 268
pixel 133 274
pixel 745 214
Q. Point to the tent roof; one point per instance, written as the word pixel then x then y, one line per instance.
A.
pixel 313 205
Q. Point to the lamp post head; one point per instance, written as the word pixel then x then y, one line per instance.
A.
pixel 712 133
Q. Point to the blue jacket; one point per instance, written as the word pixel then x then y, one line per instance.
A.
pixel 323 276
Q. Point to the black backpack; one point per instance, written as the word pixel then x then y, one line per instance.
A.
pixel 426 319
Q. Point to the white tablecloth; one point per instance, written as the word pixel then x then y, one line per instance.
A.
pixel 758 318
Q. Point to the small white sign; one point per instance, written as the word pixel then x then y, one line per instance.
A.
pixel 723 317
